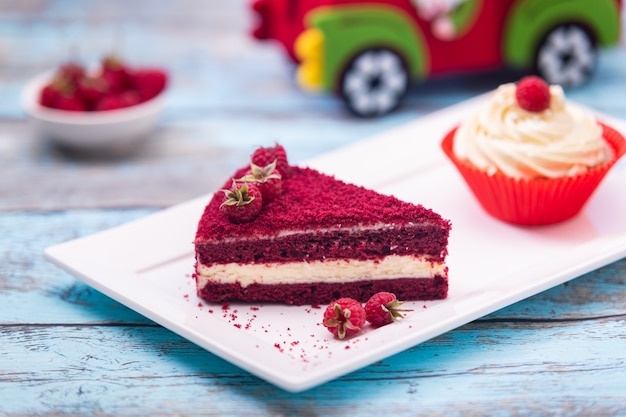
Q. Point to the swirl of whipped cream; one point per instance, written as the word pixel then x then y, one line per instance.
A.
pixel 563 140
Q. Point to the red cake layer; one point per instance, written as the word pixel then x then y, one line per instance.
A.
pixel 339 244
pixel 324 293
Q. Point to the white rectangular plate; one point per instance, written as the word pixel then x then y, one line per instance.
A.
pixel 148 264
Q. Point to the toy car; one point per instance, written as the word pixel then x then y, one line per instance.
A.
pixel 369 51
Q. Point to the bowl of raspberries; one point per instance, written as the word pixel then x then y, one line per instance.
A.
pixel 110 106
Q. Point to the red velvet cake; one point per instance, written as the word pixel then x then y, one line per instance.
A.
pixel 319 240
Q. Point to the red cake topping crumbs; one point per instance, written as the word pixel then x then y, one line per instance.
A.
pixel 311 199
pixel 533 94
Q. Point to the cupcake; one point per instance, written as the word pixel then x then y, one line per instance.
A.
pixel 531 157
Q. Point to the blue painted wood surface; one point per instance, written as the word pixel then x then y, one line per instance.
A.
pixel 66 349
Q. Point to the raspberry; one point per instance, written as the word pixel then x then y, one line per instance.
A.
pixel 92 89
pixel 116 86
pixel 72 71
pixel 243 203
pixel 265 156
pixel 344 317
pixel 70 102
pixel 148 82
pixel 533 94
pixel 115 72
pixel 51 92
pixel 271 188
pixel 383 308
pixel 267 179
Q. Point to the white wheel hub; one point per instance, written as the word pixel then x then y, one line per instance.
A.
pixel 567 56
pixel 375 82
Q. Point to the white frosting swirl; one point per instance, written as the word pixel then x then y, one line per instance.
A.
pixel 563 140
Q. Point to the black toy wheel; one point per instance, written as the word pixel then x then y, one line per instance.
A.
pixel 566 56
pixel 374 82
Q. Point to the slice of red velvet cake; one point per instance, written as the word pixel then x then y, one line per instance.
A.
pixel 318 240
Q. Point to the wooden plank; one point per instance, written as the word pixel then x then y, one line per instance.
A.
pixel 514 366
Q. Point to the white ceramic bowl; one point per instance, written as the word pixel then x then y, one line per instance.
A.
pixel 110 130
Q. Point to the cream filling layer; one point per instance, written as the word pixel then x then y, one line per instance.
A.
pixel 335 271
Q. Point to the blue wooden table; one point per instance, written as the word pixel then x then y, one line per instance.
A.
pixel 66 349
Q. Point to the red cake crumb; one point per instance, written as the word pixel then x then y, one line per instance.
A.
pixel 359 206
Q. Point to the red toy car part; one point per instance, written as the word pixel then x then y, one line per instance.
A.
pixel 368 52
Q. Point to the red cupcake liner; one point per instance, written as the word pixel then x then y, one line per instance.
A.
pixel 538 201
